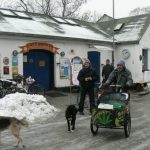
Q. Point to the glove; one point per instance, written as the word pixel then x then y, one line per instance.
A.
pixel 105 85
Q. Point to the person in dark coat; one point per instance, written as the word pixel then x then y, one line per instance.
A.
pixel 120 76
pixel 87 77
pixel 107 69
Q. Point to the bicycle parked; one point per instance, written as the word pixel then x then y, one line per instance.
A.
pixel 20 84
pixel 7 87
pixel 29 85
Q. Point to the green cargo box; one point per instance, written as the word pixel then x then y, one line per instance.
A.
pixel 111 110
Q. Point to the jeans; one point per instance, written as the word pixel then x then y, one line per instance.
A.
pixel 83 92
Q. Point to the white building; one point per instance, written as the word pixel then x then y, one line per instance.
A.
pixel 45 47
pixel 30 44
pixel 132 35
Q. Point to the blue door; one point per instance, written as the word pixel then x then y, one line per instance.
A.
pixel 40 66
pixel 94 58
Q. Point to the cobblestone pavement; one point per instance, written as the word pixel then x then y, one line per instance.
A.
pixel 53 135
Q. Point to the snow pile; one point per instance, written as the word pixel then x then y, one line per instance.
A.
pixel 33 107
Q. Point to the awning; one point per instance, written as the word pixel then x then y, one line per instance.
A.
pixel 105 48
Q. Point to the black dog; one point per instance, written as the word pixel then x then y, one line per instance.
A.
pixel 70 115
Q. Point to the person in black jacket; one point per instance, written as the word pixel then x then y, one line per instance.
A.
pixel 107 69
pixel 87 77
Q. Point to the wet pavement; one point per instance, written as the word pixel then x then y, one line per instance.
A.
pixel 52 134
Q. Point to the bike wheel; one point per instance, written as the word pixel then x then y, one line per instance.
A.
pixel 94 128
pixel 127 125
pixel 36 89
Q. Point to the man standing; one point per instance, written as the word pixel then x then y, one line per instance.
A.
pixel 87 77
pixel 107 69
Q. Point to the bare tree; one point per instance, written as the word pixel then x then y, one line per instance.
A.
pixel 42 6
pixel 22 4
pixel 68 8
pixel 89 16
pixel 46 6
pixel 63 8
pixel 139 11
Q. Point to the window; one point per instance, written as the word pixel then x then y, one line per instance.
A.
pixel 22 14
pixel 118 26
pixel 7 12
pixel 145 60
pixel 71 22
pixel 59 20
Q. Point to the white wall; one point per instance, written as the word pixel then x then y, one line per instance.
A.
pixel 132 63
pixel 8 44
pixel 80 50
pixel 7 47
pixel 145 44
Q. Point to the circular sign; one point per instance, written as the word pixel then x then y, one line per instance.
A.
pixel 6 60
pixel 62 54
pixel 125 54
pixel 15 53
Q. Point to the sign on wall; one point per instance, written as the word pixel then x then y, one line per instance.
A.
pixel 6 70
pixel 76 65
pixel 6 60
pixel 64 67
pixel 42 63
pixel 14 65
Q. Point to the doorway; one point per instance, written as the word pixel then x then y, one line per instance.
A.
pixel 39 64
pixel 94 58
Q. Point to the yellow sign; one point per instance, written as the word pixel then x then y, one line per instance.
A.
pixel 14 69
pixel 42 63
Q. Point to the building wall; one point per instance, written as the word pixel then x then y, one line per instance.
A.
pixel 7 47
pixel 145 44
pixel 132 63
pixel 79 49
pixel 71 49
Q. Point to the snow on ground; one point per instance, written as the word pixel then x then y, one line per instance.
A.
pixel 33 107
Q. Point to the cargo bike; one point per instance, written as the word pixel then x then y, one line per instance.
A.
pixel 112 110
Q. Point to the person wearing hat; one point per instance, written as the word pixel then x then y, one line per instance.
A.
pixel 120 76
pixel 87 77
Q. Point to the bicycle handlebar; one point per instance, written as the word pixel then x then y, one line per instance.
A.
pixel 115 85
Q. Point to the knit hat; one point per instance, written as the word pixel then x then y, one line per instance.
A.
pixel 121 62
